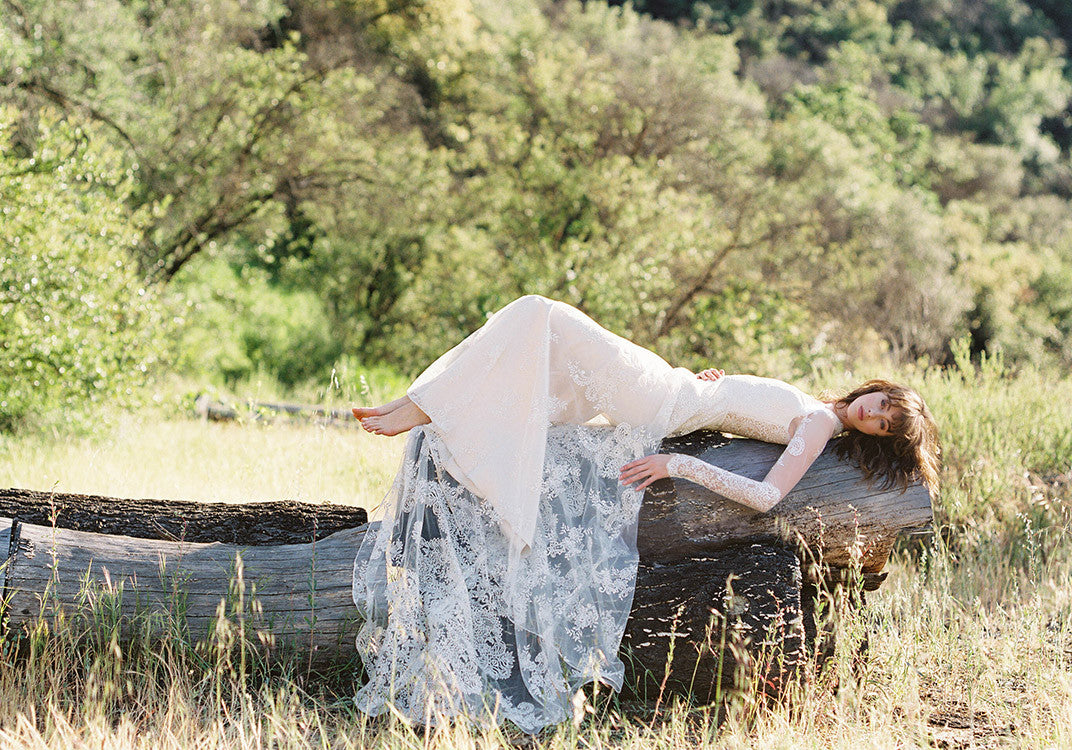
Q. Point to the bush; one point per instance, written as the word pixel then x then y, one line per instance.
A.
pixel 77 328
pixel 238 324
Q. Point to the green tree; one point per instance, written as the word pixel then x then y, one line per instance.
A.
pixel 77 327
pixel 219 112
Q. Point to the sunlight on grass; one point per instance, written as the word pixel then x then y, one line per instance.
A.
pixel 188 459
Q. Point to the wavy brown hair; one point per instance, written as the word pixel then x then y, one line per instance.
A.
pixel 910 453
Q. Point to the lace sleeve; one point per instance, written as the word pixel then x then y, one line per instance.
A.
pixel 811 436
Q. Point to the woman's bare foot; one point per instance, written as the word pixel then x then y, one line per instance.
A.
pixel 405 417
pixel 378 411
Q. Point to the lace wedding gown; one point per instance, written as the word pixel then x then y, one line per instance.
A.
pixel 502 575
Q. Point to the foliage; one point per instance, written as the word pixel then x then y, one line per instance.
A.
pixel 1007 443
pixel 217 108
pixel 236 324
pixel 881 171
pixel 77 326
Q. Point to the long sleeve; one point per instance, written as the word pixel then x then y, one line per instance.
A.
pixel 808 441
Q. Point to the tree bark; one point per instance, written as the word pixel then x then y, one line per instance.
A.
pixel 832 515
pixel 703 625
pixel 289 597
pixel 280 522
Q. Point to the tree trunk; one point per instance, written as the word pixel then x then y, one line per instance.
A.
pixel 302 591
pixel 834 516
pixel 702 625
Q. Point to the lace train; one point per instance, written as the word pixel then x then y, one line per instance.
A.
pixel 458 621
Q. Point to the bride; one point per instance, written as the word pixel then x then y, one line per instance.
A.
pixel 501 577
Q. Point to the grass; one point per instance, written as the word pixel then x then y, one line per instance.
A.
pixel 187 459
pixel 166 452
pixel 969 639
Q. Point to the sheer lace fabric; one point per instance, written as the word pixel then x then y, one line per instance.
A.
pixel 812 433
pixel 761 496
pixel 457 622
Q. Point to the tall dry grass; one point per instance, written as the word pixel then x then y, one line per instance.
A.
pixel 969 641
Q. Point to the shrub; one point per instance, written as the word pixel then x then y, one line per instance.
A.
pixel 238 324
pixel 77 327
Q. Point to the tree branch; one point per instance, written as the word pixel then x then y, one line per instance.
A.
pixel 69 103
pixel 701 283
pixel 167 267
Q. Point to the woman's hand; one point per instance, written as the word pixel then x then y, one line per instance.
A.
pixel 648 468
pixel 710 374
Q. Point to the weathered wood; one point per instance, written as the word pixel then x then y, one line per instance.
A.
pixel 691 542
pixel 839 518
pixel 277 522
pixel 303 591
pixel 303 599
pixel 699 625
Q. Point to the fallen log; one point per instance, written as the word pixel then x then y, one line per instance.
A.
pixel 220 411
pixel 275 522
pixel 295 597
pixel 718 584
pixel 835 515
pixel 707 624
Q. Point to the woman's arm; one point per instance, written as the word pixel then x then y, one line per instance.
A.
pixel 811 436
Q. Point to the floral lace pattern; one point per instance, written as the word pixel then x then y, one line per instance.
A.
pixel 761 496
pixel 457 622
pixel 813 432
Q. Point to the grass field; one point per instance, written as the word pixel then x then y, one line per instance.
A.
pixel 970 638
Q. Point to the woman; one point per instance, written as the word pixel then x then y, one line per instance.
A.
pixel 502 575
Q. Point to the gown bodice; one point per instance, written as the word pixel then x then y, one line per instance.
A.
pixel 745 405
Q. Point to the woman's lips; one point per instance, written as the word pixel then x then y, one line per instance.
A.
pixel 860 411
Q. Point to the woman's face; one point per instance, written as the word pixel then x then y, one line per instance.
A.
pixel 870 413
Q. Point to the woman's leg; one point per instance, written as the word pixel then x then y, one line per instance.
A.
pixel 383 420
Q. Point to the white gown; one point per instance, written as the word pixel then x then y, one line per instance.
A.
pixel 502 575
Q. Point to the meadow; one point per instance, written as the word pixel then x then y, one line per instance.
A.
pixel 969 641
pixel 255 193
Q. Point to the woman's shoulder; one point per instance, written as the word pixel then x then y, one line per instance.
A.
pixel 819 420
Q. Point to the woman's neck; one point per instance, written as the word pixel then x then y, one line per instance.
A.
pixel 839 412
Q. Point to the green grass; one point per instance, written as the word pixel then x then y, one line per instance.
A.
pixel 970 637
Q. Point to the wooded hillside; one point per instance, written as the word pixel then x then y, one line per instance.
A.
pixel 286 187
